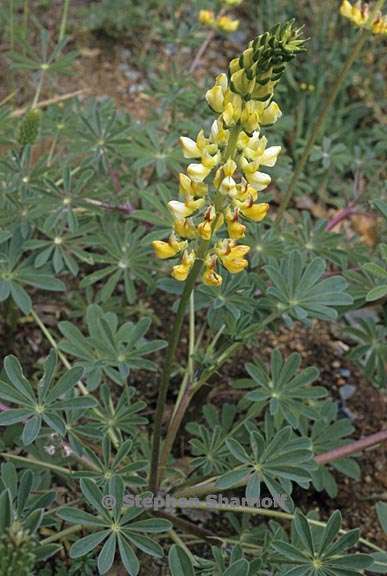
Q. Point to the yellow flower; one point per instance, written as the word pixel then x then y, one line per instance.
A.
pixel 236 230
pixel 206 17
pixel 359 14
pixel 189 188
pixel 198 172
pixel 168 249
pixel 258 180
pixel 227 24
pixel 180 271
pixel 232 256
pixel 215 96
pixel 271 114
pixel 190 148
pixel 184 209
pixel 255 212
pixel 233 2
pixel 346 9
pixel 185 229
pixel 205 228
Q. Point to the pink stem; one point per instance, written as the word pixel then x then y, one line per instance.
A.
pixel 352 448
pixel 340 216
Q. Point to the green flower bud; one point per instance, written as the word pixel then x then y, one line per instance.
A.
pixel 17 556
pixel 29 128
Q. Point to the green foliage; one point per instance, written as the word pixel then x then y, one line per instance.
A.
pixel 320 552
pixel 85 186
pixel 46 405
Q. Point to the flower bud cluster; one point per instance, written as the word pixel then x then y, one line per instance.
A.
pixel 222 22
pixel 361 15
pixel 233 154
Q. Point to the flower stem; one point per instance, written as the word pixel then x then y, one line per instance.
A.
pixel 165 377
pixel 63 23
pixel 315 132
pixel 190 392
pixel 265 512
pixel 39 463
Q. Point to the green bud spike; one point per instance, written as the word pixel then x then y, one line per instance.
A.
pixel 29 128
pixel 17 552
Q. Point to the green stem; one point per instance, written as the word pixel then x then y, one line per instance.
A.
pixel 315 132
pixel 63 24
pixel 186 399
pixel 40 464
pixel 38 89
pixel 165 377
pixel 62 534
pixel 265 512
pixel 232 142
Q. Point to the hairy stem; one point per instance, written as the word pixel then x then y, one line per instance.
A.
pixel 190 392
pixel 265 512
pixel 63 23
pixel 166 374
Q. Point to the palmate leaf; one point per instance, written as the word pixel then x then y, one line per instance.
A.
pixel 285 388
pixel 120 416
pixel 17 271
pixel 234 564
pixel 327 432
pixel 44 405
pixel 117 527
pixel 123 256
pixel 275 459
pixel 370 353
pixel 300 291
pixel 208 445
pixel 320 552
pixel 109 349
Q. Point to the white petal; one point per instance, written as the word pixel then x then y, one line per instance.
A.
pixel 258 180
pixel 270 155
pixel 179 209
pixel 190 148
pixel 198 172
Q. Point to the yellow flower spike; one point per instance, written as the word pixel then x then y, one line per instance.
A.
pixel 180 271
pixel 255 212
pixel 189 147
pixel 184 209
pixel 270 115
pixel 236 230
pixel 206 17
pixel 185 229
pixel 164 250
pixel 210 276
pixel 227 24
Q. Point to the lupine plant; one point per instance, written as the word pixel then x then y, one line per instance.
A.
pixel 138 291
